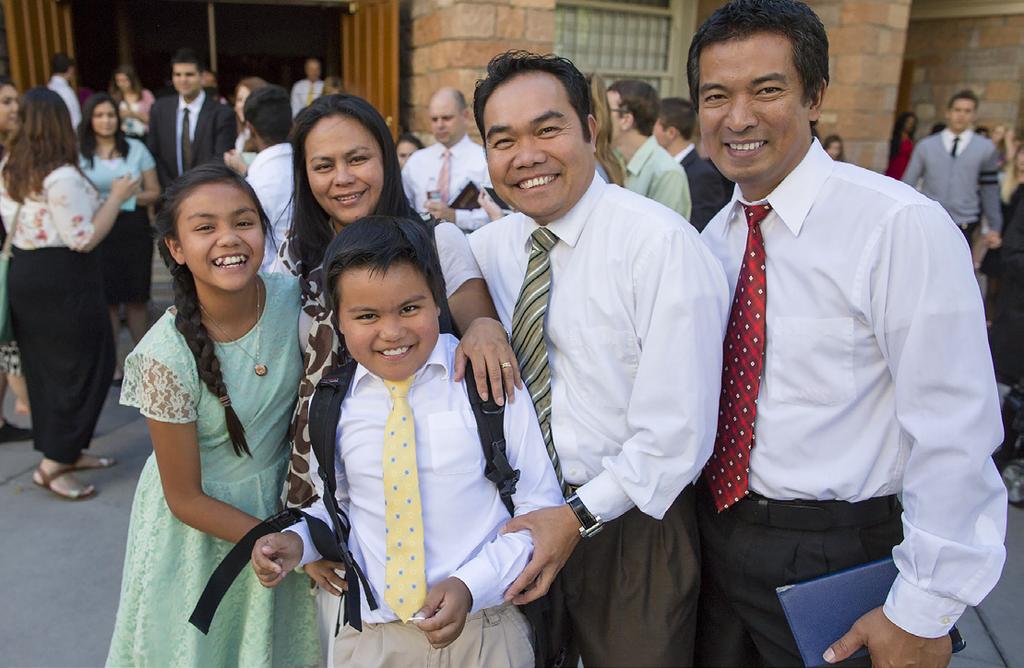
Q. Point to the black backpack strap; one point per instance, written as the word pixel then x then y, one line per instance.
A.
pixel 232 564
pixel 490 423
pixel 324 413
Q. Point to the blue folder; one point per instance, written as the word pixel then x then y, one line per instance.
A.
pixel 822 610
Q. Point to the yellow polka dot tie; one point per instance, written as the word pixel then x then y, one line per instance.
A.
pixel 406 571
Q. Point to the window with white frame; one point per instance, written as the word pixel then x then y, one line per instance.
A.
pixel 642 39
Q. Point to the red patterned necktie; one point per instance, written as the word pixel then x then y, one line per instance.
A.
pixel 743 353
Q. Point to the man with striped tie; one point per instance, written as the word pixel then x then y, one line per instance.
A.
pixel 616 312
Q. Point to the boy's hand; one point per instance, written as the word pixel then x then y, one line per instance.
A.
pixel 323 573
pixel 445 610
pixel 274 555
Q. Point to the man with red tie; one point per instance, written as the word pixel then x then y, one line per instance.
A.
pixel 858 405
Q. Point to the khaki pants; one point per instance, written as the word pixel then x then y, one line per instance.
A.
pixel 497 637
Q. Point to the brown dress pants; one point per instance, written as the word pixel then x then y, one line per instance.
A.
pixel 628 596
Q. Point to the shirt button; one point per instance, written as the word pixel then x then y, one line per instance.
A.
pixel 574 473
pixel 946 620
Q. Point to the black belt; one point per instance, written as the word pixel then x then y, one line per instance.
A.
pixel 807 515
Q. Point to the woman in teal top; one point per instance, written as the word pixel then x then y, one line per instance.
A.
pixel 126 255
pixel 217 379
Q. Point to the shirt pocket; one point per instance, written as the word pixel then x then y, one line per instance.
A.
pixel 810 360
pixel 454 447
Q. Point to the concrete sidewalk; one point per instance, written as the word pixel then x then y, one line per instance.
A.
pixel 61 561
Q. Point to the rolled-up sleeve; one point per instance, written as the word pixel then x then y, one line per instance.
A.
pixel 928 319
pixel 673 406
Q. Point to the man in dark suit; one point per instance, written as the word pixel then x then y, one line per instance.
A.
pixel 191 127
pixel 674 131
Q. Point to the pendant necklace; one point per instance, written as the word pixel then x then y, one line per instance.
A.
pixel 259 368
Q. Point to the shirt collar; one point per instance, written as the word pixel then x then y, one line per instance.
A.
pixel 454 149
pixel 58 80
pixel 440 358
pixel 678 157
pixel 792 199
pixel 271 152
pixel 569 227
pixel 195 105
pixel 642 155
pixel 949 136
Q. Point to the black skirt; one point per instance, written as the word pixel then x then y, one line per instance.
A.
pixel 126 256
pixel 67 350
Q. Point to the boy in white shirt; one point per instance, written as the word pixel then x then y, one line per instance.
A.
pixel 425 521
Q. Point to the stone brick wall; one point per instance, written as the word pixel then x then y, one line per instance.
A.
pixel 451 41
pixel 866 42
pixel 984 54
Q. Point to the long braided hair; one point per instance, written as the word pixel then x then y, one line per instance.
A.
pixel 188 317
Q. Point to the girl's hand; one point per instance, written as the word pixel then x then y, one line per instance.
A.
pixel 325 574
pixel 274 555
pixel 486 345
pixel 124 188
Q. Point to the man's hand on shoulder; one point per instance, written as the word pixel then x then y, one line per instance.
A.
pixel 889 645
pixel 555 532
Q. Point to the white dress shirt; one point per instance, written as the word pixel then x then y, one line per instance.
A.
pixel 300 94
pixel 947 140
pixel 462 510
pixel 634 326
pixel 60 86
pixel 194 108
pixel 877 376
pixel 270 175
pixel 678 157
pixel 467 164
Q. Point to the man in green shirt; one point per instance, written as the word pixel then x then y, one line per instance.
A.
pixel 650 170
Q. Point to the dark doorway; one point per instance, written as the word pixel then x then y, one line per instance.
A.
pixel 269 41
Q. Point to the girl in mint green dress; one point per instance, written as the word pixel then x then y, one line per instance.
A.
pixel 217 378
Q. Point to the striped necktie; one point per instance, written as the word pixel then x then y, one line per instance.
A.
pixel 405 571
pixel 528 335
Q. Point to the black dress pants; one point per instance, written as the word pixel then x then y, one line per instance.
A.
pixel 628 596
pixel 740 619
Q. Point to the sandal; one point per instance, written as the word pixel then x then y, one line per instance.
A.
pixel 45 480
pixel 100 463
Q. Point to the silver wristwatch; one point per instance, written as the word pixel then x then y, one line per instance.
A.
pixel 590 524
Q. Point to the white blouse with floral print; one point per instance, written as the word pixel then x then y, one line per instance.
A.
pixel 60 215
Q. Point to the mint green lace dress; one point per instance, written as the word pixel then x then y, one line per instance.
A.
pixel 167 563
